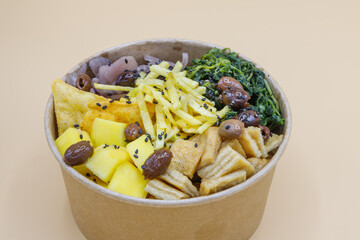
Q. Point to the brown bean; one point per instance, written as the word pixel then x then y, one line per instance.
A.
pixel 78 153
pixel 133 131
pixel 235 98
pixel 228 83
pixel 231 128
pixel 249 118
pixel 265 131
pixel 127 78
pixel 83 82
pixel 157 163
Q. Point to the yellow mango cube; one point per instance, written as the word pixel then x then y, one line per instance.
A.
pixel 108 132
pixel 70 137
pixel 83 170
pixel 128 180
pixel 139 150
pixel 105 160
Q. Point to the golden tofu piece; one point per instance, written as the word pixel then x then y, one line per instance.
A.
pixel 211 141
pixel 249 144
pixel 209 186
pixel 227 161
pixel 234 144
pixel 161 190
pixel 180 181
pixel 258 163
pixel 71 104
pixel 186 156
pixel 255 134
pixel 117 111
pixel 273 142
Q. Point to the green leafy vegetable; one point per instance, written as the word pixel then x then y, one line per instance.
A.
pixel 219 63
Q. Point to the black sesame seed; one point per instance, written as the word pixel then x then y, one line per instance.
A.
pixel 165 135
pixel 136 156
pixel 165 116
pixel 76 125
pixel 136 151
pixel 155 102
pixel 164 144
pixel 179 98
pixel 143 167
pixel 81 136
pixel 105 146
pixel 104 107
pixel 159 136
pixel 146 139
pixel 126 96
pixel 128 102
pixel 162 93
pixel 88 174
pixel 196 145
pixel 94 180
pixel 203 99
pixel 178 134
pixel 111 101
pixel 137 124
pixel 218 117
pixel 165 88
pixel 98 104
pixel 227 126
pixel 206 106
pixel 140 131
pixel 126 61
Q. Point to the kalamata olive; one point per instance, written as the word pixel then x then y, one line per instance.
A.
pixel 78 153
pixel 83 82
pixel 249 118
pixel 235 98
pixel 157 163
pixel 127 78
pixel 228 83
pixel 133 131
pixel 231 128
pixel 265 131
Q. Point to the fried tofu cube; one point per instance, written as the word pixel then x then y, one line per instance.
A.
pixel 186 156
pixel 273 142
pixel 209 186
pixel 249 144
pixel 234 144
pixel 255 134
pixel 227 161
pixel 211 141
pixel 161 190
pixel 258 163
pixel 180 181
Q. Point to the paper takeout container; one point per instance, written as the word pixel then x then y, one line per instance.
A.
pixel 234 213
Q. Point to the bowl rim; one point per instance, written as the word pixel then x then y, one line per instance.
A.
pixel 182 202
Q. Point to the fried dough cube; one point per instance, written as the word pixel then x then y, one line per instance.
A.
pixel 118 111
pixel 273 142
pixel 255 134
pixel 209 186
pixel 249 144
pixel 227 161
pixel 257 163
pixel 234 144
pixel 161 190
pixel 211 141
pixel 180 181
pixel 186 156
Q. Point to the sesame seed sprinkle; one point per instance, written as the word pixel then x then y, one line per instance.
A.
pixel 136 156
pixel 76 125
pixel 81 136
pixel 128 102
pixel 104 107
pixel 136 151
pixel 98 104
pixel 196 145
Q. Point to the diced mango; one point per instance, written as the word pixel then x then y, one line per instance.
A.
pixel 140 150
pixel 108 132
pixel 105 160
pixel 128 180
pixel 83 170
pixel 70 137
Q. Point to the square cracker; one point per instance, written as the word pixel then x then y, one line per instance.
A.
pixel 234 144
pixel 71 104
pixel 209 186
pixel 273 142
pixel 211 140
pixel 186 156
pixel 255 134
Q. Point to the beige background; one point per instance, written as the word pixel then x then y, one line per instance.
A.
pixel 310 47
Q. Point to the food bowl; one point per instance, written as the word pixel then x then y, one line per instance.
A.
pixel 234 213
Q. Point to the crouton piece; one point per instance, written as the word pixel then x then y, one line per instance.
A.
pixel 257 163
pixel 249 144
pixel 186 156
pixel 273 142
pixel 227 161
pixel 209 186
pixel 161 190
pixel 234 144
pixel 255 134
pixel 180 181
pixel 211 141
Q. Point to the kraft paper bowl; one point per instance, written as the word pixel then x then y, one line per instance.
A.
pixel 234 213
